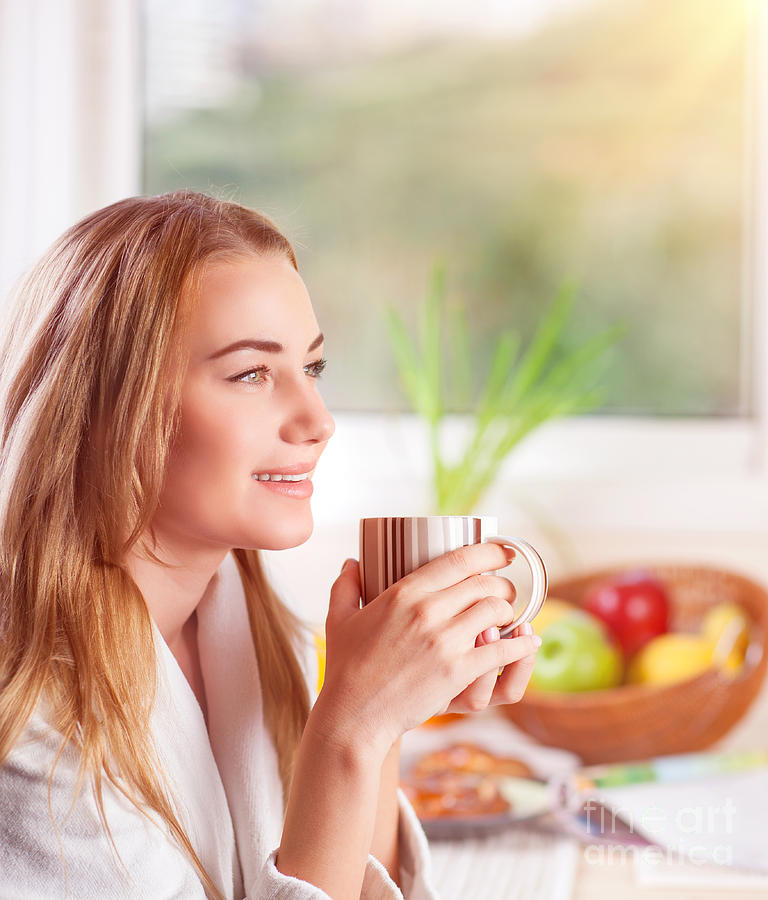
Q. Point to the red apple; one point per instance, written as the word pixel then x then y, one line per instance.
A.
pixel 634 606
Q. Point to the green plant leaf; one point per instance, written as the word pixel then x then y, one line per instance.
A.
pixel 408 365
pixel 541 348
pixel 431 340
pixel 519 394
pixel 504 356
pixel 583 366
pixel 461 369
pixel 566 389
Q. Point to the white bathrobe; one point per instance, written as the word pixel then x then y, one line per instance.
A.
pixel 225 783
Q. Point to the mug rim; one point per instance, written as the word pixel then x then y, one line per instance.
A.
pixel 453 516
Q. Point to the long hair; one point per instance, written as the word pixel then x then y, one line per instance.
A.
pixel 90 405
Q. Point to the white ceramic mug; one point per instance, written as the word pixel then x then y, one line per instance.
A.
pixel 393 546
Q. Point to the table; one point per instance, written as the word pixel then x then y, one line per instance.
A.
pixel 594 882
pixel 524 865
pixel 608 881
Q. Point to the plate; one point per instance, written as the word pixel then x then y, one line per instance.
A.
pixel 527 798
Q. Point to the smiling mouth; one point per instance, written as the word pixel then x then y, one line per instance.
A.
pixel 269 477
pixel 298 486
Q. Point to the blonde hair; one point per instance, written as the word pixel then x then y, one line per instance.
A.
pixel 90 388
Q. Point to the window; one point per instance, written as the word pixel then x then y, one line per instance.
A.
pixel 641 467
pixel 520 143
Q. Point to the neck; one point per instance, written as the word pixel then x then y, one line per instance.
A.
pixel 172 592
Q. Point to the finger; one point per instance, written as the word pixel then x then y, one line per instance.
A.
pixel 477 695
pixel 511 684
pixel 510 551
pixel 448 569
pixel 457 599
pixel 345 592
pixel 491 657
pixel 487 636
pixel 525 628
pixel 488 612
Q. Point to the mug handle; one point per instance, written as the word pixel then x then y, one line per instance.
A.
pixel 539 573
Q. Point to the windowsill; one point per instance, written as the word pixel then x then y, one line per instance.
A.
pixel 592 472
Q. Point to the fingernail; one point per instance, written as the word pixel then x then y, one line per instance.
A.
pixel 347 562
pixel 536 640
pixel 493 633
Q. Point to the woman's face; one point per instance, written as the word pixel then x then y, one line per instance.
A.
pixel 247 411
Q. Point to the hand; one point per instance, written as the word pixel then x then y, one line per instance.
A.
pixel 414 649
pixel 504 686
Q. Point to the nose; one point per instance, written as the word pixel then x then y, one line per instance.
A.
pixel 308 420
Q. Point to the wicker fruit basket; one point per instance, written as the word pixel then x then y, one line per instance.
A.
pixel 636 721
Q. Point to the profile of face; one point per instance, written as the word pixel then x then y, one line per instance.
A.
pixel 250 407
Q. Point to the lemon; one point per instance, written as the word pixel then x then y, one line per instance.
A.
pixel 669 658
pixel 726 626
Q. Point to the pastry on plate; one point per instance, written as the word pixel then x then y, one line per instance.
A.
pixel 465 757
pixel 461 782
pixel 458 795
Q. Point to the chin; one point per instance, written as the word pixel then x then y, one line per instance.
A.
pixel 283 536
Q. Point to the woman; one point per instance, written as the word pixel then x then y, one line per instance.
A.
pixel 157 737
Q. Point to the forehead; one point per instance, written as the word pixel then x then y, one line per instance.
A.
pixel 251 297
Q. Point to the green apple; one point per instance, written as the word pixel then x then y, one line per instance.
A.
pixel 576 654
pixel 551 611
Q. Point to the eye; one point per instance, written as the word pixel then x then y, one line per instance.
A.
pixel 316 368
pixel 258 371
pixel 258 374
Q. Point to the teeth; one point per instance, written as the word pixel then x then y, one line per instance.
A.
pixel 268 477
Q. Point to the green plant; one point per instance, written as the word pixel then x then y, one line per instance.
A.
pixel 521 391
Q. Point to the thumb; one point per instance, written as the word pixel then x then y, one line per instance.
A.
pixel 345 592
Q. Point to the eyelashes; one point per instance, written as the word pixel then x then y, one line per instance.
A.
pixel 314 369
pixel 318 367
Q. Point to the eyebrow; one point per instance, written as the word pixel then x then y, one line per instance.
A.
pixel 266 346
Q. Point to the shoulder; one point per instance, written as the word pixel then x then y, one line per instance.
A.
pixel 32 758
pixel 49 838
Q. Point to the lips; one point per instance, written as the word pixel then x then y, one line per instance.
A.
pixel 298 489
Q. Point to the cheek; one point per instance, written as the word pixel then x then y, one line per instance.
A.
pixel 213 456
pixel 208 492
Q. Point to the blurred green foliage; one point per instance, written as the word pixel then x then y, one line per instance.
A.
pixel 522 390
pixel 610 145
